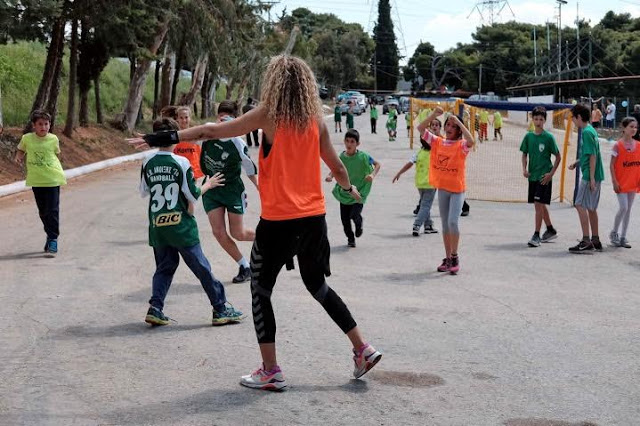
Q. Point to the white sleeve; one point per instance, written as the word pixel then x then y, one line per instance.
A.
pixel 614 150
pixel 247 163
pixel 143 187
pixel 414 158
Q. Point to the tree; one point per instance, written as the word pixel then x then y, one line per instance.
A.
pixel 386 57
pixel 419 65
pixel 73 67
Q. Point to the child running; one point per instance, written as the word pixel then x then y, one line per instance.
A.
pixel 588 197
pixel 229 157
pixel 497 125
pixel 422 160
pixel 625 177
pixel 337 117
pixel 44 175
pixel 292 222
pixel 483 116
pixel 392 122
pixel 173 230
pixel 537 147
pixel 362 169
pixel 447 174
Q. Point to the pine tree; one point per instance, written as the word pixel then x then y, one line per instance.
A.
pixel 386 57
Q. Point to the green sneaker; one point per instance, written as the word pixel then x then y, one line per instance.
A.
pixel 156 317
pixel 229 315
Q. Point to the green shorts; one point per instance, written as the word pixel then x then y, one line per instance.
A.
pixel 232 199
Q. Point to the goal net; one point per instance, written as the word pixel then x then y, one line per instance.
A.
pixel 494 168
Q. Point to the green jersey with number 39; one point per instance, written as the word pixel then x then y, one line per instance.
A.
pixel 169 180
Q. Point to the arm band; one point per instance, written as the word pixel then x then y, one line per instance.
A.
pixel 162 139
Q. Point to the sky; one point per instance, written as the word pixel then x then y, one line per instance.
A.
pixel 445 23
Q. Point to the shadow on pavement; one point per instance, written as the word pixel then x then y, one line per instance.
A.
pixel 24 256
pixel 129 243
pixel 352 386
pixel 122 330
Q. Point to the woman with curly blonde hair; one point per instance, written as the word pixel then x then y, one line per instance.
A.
pixel 292 220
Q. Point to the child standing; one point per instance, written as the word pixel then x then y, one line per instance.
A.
pixel 188 150
pixel 392 122
pixel 229 157
pixel 44 175
pixel 292 221
pixel 362 169
pixel 483 116
pixel 538 147
pixel 497 125
pixel 447 174
pixel 350 115
pixel 422 160
pixel 337 117
pixel 625 176
pixel 588 197
pixel 173 230
pixel 373 114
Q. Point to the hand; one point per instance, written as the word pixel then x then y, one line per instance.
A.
pixel 395 178
pixel 328 178
pixel 355 194
pixel 526 174
pixel 214 181
pixel 572 166
pixel 19 159
pixel 616 187
pixel 592 185
pixel 546 178
pixel 138 142
pixel 438 111
pixel 369 178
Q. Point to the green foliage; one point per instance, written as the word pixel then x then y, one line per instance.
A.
pixel 386 56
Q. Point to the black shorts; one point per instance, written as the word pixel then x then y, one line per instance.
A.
pixel 539 193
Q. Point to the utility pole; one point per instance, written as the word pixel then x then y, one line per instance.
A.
pixel 560 3
pixel 535 53
pixel 480 80
pixel 375 71
pixel 578 32
pixel 548 49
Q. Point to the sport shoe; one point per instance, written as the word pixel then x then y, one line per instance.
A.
pixel 416 231
pixel 582 247
pixel 417 209
pixel 444 267
pixel 364 359
pixel 464 213
pixel 359 232
pixel 351 243
pixel 454 265
pixel 156 317
pixel 549 234
pixel 624 243
pixel 614 238
pixel 265 380
pixel 46 245
pixel 244 274
pixel 597 245
pixel 52 248
pixel 429 229
pixel 229 315
pixel 534 241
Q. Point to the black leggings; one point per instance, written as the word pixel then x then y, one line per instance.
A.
pixel 276 243
pixel 349 212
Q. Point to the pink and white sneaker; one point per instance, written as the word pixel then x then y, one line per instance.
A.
pixel 364 359
pixel 444 267
pixel 454 265
pixel 265 380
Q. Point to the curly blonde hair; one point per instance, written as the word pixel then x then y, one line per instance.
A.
pixel 290 92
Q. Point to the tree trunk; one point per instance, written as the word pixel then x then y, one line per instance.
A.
pixel 83 85
pixel 176 72
pixel 136 86
pixel 231 84
pixel 197 79
pixel 1 119
pixel 73 68
pixel 205 104
pixel 44 90
pixel 156 86
pixel 96 87
pixel 52 102
pixel 167 79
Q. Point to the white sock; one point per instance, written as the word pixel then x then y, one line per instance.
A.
pixel 243 262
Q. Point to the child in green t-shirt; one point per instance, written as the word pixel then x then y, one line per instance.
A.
pixel 392 123
pixel 497 125
pixel 173 231
pixel 44 175
pixel 373 114
pixel 362 169
pixel 350 115
pixel 337 117
pixel 537 148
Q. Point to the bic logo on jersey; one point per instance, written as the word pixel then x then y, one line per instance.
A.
pixel 167 219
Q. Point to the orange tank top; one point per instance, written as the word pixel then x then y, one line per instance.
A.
pixel 447 165
pixel 191 152
pixel 290 175
pixel 627 168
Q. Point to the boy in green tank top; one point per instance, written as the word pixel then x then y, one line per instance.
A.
pixel 362 169
pixel 173 231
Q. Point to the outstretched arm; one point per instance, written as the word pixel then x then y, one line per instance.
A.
pixel 402 170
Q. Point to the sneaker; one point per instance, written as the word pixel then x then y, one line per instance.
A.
pixel 464 213
pixel 265 380
pixel 46 245
pixel 597 245
pixel 417 209
pixel 429 229
pixel 52 248
pixel 416 231
pixel 454 265
pixel 549 234
pixel 614 238
pixel 359 232
pixel 365 359
pixel 229 315
pixel 351 243
pixel 244 274
pixel 156 317
pixel 444 267
pixel 534 241
pixel 624 243
pixel 582 247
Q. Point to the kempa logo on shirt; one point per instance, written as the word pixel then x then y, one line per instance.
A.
pixel 185 151
pixel 168 219
pixel 443 162
pixel 631 164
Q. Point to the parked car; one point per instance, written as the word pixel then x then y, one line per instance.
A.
pixel 357 109
pixel 378 99
pixel 362 101
pixel 388 102
pixel 404 104
pixel 347 95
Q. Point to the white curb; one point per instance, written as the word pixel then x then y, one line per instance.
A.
pixel 16 187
